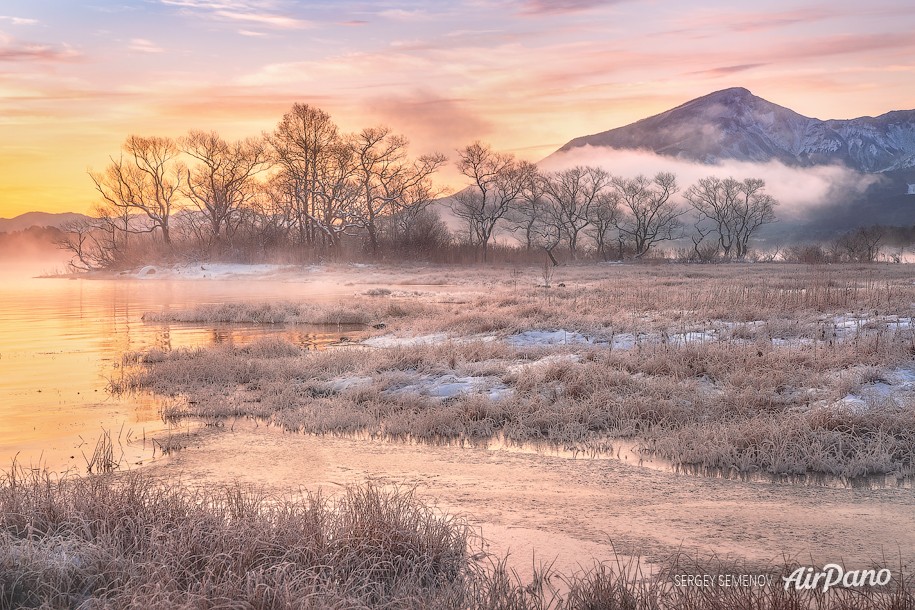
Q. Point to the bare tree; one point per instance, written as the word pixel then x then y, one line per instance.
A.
pixel 386 175
pixel 145 181
pixel 604 214
pixel 530 213
pixel 497 181
pixel 306 141
pixel 273 211
pixel 410 209
pixel 731 209
pixel 860 246
pixel 753 209
pixel 648 214
pixel 222 182
pixel 85 239
pixel 572 193
pixel 536 217
pixel 338 193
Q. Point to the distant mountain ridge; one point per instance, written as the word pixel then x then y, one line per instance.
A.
pixel 735 124
pixel 37 219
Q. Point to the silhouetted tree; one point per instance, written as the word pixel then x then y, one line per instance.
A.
pixel 222 181
pixel 731 209
pixel 144 181
pixel 497 182
pixel 572 193
pixel 648 214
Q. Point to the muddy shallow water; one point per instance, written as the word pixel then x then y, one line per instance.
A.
pixel 573 509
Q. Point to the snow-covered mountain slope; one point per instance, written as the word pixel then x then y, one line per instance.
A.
pixel 735 124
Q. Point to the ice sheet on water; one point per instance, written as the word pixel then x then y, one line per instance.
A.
pixel 896 385
pixel 534 338
pixel 395 341
pixel 449 386
pixel 342 384
pixel 213 271
pixel 545 361
pixel 693 337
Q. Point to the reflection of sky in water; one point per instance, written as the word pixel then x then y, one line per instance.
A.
pixel 62 340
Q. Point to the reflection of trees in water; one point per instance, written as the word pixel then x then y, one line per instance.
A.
pixel 313 339
pixel 222 336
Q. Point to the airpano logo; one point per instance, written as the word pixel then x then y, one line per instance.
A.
pixel 834 575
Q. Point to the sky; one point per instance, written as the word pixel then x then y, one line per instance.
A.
pixel 76 78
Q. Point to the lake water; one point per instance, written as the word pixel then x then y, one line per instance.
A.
pixel 61 340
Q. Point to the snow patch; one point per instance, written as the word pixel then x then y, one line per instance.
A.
pixel 213 271
pixel 541 362
pixel 693 337
pixel 447 386
pixel 897 384
pixel 341 384
pixel 395 341
pixel 533 338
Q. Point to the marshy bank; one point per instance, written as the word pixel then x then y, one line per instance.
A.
pixel 766 369
pixel 132 541
pixel 706 369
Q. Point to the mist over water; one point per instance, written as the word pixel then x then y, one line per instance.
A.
pixel 62 340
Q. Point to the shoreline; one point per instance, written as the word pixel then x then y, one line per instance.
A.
pixel 526 502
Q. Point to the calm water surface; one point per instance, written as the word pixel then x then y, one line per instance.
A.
pixel 61 340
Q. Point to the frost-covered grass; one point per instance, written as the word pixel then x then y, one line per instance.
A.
pixel 752 368
pixel 129 541
pixel 133 542
pixel 354 311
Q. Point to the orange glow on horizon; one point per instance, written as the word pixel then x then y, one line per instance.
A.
pixel 76 81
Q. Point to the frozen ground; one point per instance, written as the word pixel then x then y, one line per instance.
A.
pixel 213 271
pixel 448 386
pixel 894 387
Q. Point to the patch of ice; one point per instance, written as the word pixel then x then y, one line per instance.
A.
pixel 547 360
pixel 903 377
pixel 782 342
pixel 899 322
pixel 342 384
pixel 853 403
pixel 533 338
pixel 693 337
pixel 849 322
pixel 896 384
pixel 624 341
pixel 213 271
pixel 731 324
pixel 449 386
pixel 395 341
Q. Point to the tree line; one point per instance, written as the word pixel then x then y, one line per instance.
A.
pixel 614 215
pixel 311 191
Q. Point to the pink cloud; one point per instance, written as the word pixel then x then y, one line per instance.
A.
pixel 255 12
pixel 15 51
pixel 727 70
pixel 754 21
pixel 435 122
pixel 552 7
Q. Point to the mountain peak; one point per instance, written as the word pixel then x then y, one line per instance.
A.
pixel 730 92
pixel 735 124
